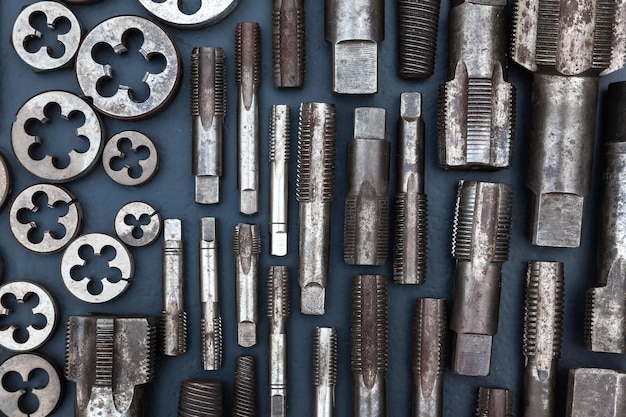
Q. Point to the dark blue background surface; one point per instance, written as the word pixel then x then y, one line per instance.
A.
pixel 171 191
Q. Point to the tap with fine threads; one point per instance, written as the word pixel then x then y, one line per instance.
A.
pixel 369 345
pixel 174 316
pixel 110 358
pixel 288 43
pixel 568 46
pixel 354 29
pixel 605 327
pixel 200 398
pixel 596 392
pixel 476 114
pixel 411 211
pixel 366 222
pixel 543 333
pixel 315 189
pixel 280 133
pixel 494 402
pixel 324 370
pixel 278 314
pixel 430 326
pixel 247 247
pixel 482 228
pixel 211 318
pixel 208 110
pixel 244 395
pixel 418 24
pixel 248 75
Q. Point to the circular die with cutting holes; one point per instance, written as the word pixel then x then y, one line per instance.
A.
pixel 79 284
pixel 112 35
pixel 138 224
pixel 28 139
pixel 209 13
pixel 24 34
pixel 25 228
pixel 5 181
pixel 39 332
pixel 124 145
pixel 25 367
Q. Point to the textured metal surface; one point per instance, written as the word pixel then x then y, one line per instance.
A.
pixel 280 138
pixel 211 338
pixel 110 359
pixel 244 391
pixel 324 371
pixel 543 335
pixel 567 46
pixel 482 227
pixel 174 316
pixel 354 28
pixel 247 248
pixel 122 104
pixel 138 142
pixel 369 345
pixel 596 392
pixel 172 192
pixel 411 205
pixel 494 402
pixel 288 43
pixel 430 325
pixel 477 104
pixel 248 75
pixel 606 304
pixel 278 314
pixel 208 111
pixel 24 292
pixel 142 234
pixel 48 167
pixel 79 284
pixel 315 190
pixel 418 25
pixel 209 13
pixel 366 219
pixel 24 32
pixel 51 242
pixel 6 181
pixel 200 398
pixel 48 396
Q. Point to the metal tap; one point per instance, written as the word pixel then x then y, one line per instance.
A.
pixel 596 392
pixel 411 223
pixel 568 46
pixel 369 345
pixel 247 247
pixel 208 110
pixel 476 114
pixel 429 356
pixel 280 133
pixel 482 227
pixel 110 359
pixel 174 316
pixel 494 402
pixel 278 314
pixel 244 392
pixel 288 43
pixel 200 398
pixel 315 189
pixel 211 318
pixel 418 24
pixel 248 74
pixel 324 371
pixel 366 221
pixel 354 29
pixel 543 333
pixel 605 329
